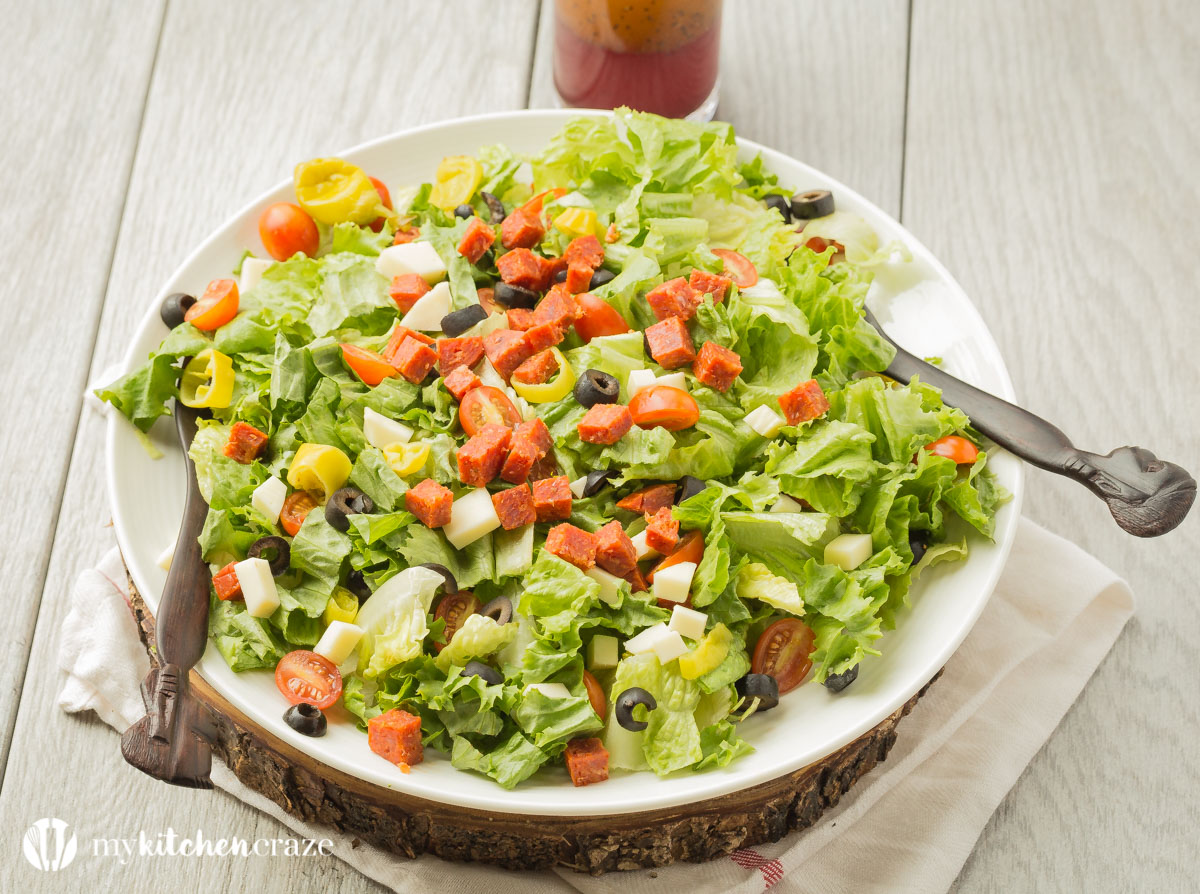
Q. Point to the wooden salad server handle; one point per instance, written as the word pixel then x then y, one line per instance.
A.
pixel 173 742
pixel 1146 496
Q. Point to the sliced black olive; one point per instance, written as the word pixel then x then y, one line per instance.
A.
pixel 509 295
pixel 487 673
pixel 763 687
pixel 173 308
pixel 346 502
pixel 307 719
pixel 459 321
pixel 918 542
pixel 601 277
pixel 561 275
pixel 596 479
pixel 464 211
pixel 356 583
pixel 451 585
pixel 780 204
pixel 495 207
pixel 811 204
pixel 275 550
pixel 627 701
pixel 838 682
pixel 499 610
pixel 596 387
pixel 486 261
pixel 689 487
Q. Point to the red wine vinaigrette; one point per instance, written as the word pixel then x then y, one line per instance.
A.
pixel 654 55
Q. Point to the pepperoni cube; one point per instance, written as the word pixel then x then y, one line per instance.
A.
pixel 520 318
pixel 406 290
pixel 246 443
pixel 535 430
pixel 396 735
pixel 543 337
pixel 397 339
pixel 506 349
pixel 226 584
pixel 670 344
pixel 605 423
pixel 460 381
pixel 649 500
pixel 584 251
pixel 579 278
pixel 711 284
pixel 521 267
pixel 804 402
pixel 476 239
pixel 552 498
pixel 514 507
pixel 716 366
pixel 615 552
pixel 637 583
pixel 572 544
pixel 537 370
pixel 480 459
pixel 413 360
pixel 587 761
pixel 520 461
pixel 455 352
pixel 558 309
pixel 662 531
pixel 674 298
pixel 522 229
pixel 429 502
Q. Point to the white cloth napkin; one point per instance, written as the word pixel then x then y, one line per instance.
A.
pixel 908 826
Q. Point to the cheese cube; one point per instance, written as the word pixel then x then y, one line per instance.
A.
pixel 420 258
pixel 471 516
pixel 165 557
pixel 765 421
pixel 426 315
pixel 602 652
pixel 338 641
pixel 577 487
pixel 674 380
pixel 383 432
pixel 786 504
pixel 687 621
pixel 639 546
pixel 268 498
pixel 610 585
pixel 647 639
pixel 639 379
pixel 670 647
pixel 847 551
pixel 252 272
pixel 258 587
pixel 549 690
pixel 674 582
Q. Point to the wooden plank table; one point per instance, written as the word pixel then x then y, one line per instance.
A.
pixel 1045 153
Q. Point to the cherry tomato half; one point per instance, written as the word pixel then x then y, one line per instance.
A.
pixel 385 197
pixel 286 229
pixel 690 548
pixel 484 405
pixel 662 406
pixel 487 300
pixel 597 318
pixel 367 365
pixel 738 266
pixel 295 509
pixel 595 694
pixel 454 609
pixel 308 678
pixel 953 447
pixel 782 652
pixel 216 307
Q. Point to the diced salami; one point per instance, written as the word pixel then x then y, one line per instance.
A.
pixel 649 500
pixel 406 233
pixel 716 366
pixel 572 544
pixel 579 278
pixel 413 360
pixel 397 339
pixel 584 251
pixel 637 583
pixel 506 349
pixel 535 430
pixel 480 459
pixel 559 309
pixel 615 552
pixel 429 502
pixel 246 443
pixel 552 498
pixel 514 507
pixel 605 423
pixel 670 344
pixel 520 318
pixel 520 461
pixel 540 338
pixel 455 352
pixel 460 381
pixel 805 401
pixel 522 229
pixel 587 761
pixel 396 736
pixel 226 584
pixel 406 289
pixel 711 284
pixel 662 531
pixel 521 267
pixel 537 370
pixel 674 298
pixel 476 239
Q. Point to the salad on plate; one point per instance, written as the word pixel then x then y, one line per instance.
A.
pixel 583 458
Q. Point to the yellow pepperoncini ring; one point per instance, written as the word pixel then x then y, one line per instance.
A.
pixel 333 191
pixel 576 222
pixel 406 459
pixel 207 380
pixel 458 176
pixel 556 389
pixel 342 606
pixel 709 653
pixel 319 468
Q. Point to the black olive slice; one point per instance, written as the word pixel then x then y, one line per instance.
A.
pixel 495 207
pixel 275 550
pixel 508 295
pixel 345 502
pixel 464 211
pixel 780 204
pixel 762 687
pixel 627 701
pixel 307 719
pixel 601 277
pixel 560 275
pixel 811 204
pixel 451 583
pixel 487 673
pixel 838 682
pixel 596 387
pixel 918 542
pixel 499 610
pixel 689 486
pixel 173 308
pixel 596 479
pixel 356 583
pixel 459 321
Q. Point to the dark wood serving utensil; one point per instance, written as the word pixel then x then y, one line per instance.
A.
pixel 173 742
pixel 1146 496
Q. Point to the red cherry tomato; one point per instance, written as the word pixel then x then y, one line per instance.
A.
pixel 216 307
pixel 367 365
pixel 385 197
pixel 690 548
pixel 454 610
pixel 595 694
pixel 597 318
pixel 295 508
pixel 487 300
pixel 953 447
pixel 738 266
pixel 308 678
pixel 782 652
pixel 662 406
pixel 286 229
pixel 484 405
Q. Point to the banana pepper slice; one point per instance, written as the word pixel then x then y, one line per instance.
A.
pixel 458 176
pixel 576 222
pixel 207 380
pixel 333 191
pixel 556 389
pixel 342 606
pixel 318 468
pixel 708 654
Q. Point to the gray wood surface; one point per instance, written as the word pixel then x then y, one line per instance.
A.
pixel 1045 152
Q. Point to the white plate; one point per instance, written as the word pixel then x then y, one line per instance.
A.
pixel 922 305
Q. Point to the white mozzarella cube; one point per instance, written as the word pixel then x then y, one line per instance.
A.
pixel 786 504
pixel 258 587
pixel 420 258
pixel 847 551
pixel 639 546
pixel 165 557
pixel 577 486
pixel 673 583
pixel 252 272
pixel 602 652
pixel 426 315
pixel 610 585
pixel 338 641
pixel 549 690
pixel 646 640
pixel 471 516
pixel 674 380
pixel 687 621
pixel 383 432
pixel 765 421
pixel 639 379
pixel 670 647
pixel 268 498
